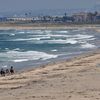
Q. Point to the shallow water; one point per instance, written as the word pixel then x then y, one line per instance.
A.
pixel 27 48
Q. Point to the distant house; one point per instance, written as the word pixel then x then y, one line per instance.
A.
pixel 97 18
pixel 80 17
pixel 58 19
pixel 37 19
pixel 19 19
pixel 67 19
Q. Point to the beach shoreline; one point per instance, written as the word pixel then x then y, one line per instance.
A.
pixel 76 78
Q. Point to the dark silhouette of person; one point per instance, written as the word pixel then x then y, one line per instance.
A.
pixel 12 70
pixel 2 72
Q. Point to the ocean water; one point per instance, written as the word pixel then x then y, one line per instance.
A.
pixel 30 48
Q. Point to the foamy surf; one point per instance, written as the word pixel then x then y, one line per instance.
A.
pixel 88 45
pixel 20 60
pixel 65 31
pixel 59 41
pixel 30 47
pixel 12 34
pixel 54 50
pixel 18 56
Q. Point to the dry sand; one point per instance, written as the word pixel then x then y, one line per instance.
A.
pixel 6 26
pixel 74 79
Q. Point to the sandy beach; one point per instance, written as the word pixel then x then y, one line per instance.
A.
pixel 47 26
pixel 74 79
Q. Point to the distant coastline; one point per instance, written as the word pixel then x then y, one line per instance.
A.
pixel 47 26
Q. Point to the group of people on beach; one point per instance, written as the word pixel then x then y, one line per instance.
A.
pixel 7 71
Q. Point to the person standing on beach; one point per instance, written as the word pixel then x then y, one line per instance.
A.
pixel 12 70
pixel 2 72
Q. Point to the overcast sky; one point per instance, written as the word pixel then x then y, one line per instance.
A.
pixel 19 5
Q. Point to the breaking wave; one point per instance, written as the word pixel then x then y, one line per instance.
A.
pixel 17 56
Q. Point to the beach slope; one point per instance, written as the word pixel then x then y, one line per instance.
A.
pixel 74 79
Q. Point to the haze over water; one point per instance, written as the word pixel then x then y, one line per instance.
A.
pixel 27 48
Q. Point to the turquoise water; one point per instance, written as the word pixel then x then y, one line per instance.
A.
pixel 27 48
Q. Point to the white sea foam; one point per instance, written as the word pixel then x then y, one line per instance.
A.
pixel 71 41
pixel 83 38
pixel 55 41
pixel 20 60
pixel 61 31
pixel 92 39
pixel 6 48
pixel 26 39
pixel 80 36
pixel 54 50
pixel 21 39
pixel 45 37
pixel 31 39
pixel 50 35
pixel 51 38
pixel 61 41
pixel 16 49
pixel 88 45
pixel 12 34
pixel 17 56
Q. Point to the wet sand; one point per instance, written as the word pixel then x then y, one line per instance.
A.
pixel 74 79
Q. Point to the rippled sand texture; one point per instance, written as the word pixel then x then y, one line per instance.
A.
pixel 74 79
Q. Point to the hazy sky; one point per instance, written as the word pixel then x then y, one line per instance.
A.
pixel 19 5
